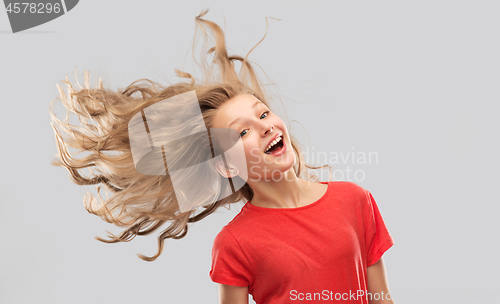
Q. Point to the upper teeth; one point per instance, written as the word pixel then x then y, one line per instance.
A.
pixel 273 143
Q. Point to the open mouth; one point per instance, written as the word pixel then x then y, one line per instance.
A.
pixel 276 148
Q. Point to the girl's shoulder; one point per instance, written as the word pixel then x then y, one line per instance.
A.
pixel 347 186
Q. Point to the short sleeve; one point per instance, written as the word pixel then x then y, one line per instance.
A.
pixel 229 264
pixel 377 237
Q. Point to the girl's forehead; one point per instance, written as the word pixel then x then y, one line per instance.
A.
pixel 245 98
pixel 229 113
pixel 241 102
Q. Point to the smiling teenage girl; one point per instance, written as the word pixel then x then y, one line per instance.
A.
pixel 294 239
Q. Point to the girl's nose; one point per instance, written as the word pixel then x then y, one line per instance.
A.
pixel 270 129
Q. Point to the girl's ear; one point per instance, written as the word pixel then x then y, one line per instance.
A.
pixel 224 171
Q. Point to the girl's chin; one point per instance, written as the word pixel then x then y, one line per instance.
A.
pixel 267 167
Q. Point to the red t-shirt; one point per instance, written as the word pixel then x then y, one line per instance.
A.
pixel 316 253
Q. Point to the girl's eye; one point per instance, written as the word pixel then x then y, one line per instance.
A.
pixel 265 112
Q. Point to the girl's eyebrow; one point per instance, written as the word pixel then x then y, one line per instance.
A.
pixel 237 119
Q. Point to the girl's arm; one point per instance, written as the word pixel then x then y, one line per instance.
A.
pixel 233 294
pixel 377 284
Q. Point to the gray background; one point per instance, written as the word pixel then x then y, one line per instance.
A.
pixel 414 81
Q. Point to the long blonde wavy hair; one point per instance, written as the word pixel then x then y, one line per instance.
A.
pixel 142 203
